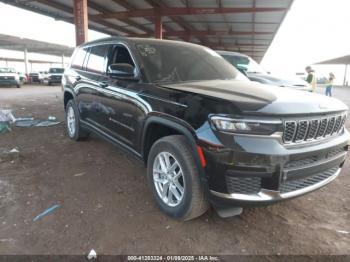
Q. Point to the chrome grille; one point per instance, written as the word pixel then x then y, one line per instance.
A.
pixel 330 126
pixel 314 124
pixel 302 130
pixel 337 124
pixel 311 129
pixel 289 131
pixel 322 128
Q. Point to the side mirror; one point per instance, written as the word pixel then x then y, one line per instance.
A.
pixel 121 71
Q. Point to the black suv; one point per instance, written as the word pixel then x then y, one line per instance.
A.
pixel 205 132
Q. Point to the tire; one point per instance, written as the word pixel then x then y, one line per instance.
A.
pixel 18 86
pixel 193 202
pixel 73 128
pixel 49 83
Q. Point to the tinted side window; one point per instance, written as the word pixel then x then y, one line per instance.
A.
pixel 78 59
pixel 96 62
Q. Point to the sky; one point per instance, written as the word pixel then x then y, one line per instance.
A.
pixel 314 30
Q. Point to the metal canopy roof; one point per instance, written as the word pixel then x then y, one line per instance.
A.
pixel 344 60
pixel 33 61
pixel 19 44
pixel 246 26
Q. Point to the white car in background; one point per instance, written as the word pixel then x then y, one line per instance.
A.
pixel 9 77
pixel 246 65
pixel 55 75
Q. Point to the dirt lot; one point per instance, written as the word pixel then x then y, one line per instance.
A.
pixel 105 203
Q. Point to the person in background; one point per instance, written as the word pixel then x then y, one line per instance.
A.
pixel 311 77
pixel 329 84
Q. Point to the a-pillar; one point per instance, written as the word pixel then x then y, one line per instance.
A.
pixel 81 21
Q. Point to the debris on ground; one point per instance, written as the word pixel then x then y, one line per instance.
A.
pixel 9 155
pixel 52 118
pixel 36 122
pixel 4 127
pixel 46 212
pixel 92 255
pixel 343 232
pixel 6 118
pixel 80 174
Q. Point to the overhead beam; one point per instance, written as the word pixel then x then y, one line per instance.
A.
pixel 224 45
pixel 128 21
pixel 158 5
pixel 69 10
pixel 182 11
pixel 206 33
pixel 127 5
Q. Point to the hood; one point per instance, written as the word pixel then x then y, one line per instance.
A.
pixel 8 74
pixel 254 98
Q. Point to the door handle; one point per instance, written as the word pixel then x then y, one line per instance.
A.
pixel 78 78
pixel 103 84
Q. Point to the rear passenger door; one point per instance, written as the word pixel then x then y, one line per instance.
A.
pixel 90 94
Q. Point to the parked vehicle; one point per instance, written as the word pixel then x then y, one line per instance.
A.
pixel 36 77
pixel 9 77
pixel 205 132
pixel 255 72
pixel 55 75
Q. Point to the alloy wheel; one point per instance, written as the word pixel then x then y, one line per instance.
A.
pixel 168 179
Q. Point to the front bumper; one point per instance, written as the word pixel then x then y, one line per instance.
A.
pixel 265 197
pixel 55 79
pixel 9 82
pixel 254 171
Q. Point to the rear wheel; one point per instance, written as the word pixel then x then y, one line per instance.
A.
pixel 174 178
pixel 73 128
pixel 18 85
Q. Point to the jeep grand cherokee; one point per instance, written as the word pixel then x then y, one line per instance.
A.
pixel 205 133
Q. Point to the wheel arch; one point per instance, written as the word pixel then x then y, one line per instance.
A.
pixel 67 95
pixel 176 127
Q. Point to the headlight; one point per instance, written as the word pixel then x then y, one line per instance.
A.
pixel 246 126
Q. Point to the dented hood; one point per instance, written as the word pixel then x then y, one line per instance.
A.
pixel 251 97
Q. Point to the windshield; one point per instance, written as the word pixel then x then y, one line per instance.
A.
pixel 244 63
pixel 7 70
pixel 56 71
pixel 174 62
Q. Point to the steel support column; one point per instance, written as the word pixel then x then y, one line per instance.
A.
pixel 345 75
pixel 81 21
pixel 158 30
pixel 63 65
pixel 26 61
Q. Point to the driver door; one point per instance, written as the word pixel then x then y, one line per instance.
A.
pixel 121 97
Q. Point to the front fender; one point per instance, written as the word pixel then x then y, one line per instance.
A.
pixel 184 129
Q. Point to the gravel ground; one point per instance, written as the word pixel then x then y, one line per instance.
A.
pixel 105 203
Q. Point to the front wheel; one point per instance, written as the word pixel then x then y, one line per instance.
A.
pixel 174 178
pixel 73 127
